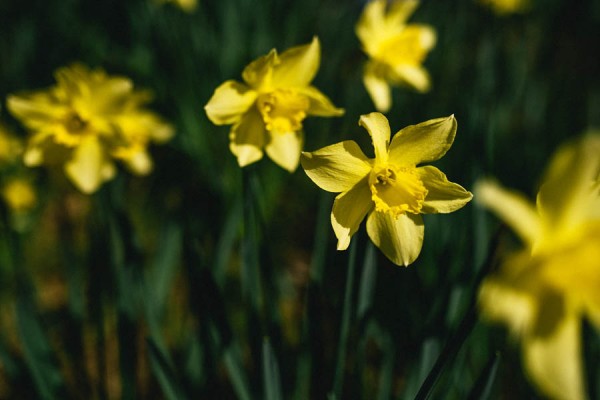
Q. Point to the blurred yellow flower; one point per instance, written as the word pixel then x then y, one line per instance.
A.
pixel 10 147
pixel 19 195
pixel 504 7
pixel 268 109
pixel 390 188
pixel 543 291
pixel 186 5
pixel 84 121
pixel 396 49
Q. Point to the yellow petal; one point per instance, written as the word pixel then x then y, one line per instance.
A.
pixel 349 209
pixel 298 65
pixel 377 86
pixel 247 138
pixel 320 105
pixel 35 110
pixel 427 141
pixel 229 102
pixel 553 360
pixel 336 168
pixel 570 192
pixel 504 303
pixel 414 76
pixel 285 148
pixel 85 169
pixel 370 23
pixel 443 196
pixel 400 11
pixel 511 207
pixel 259 72
pixel 379 128
pixel 400 238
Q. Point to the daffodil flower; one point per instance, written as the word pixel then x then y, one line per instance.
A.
pixel 396 49
pixel 543 291
pixel 391 188
pixel 505 7
pixel 267 110
pixel 85 121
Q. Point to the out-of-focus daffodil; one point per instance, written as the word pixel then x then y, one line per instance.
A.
pixel 268 109
pixel 543 291
pixel 396 49
pixel 85 121
pixel 19 195
pixel 391 189
pixel 186 5
pixel 505 7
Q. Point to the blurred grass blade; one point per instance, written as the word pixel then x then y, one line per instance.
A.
pixel 448 353
pixel 340 368
pixel 250 246
pixel 387 369
pixel 38 353
pixel 165 264
pixel 236 373
pixel 483 386
pixel 272 383
pixel 164 372
pixel 368 280
pixel 226 242
pixel 320 244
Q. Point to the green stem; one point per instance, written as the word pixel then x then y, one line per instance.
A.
pixel 341 355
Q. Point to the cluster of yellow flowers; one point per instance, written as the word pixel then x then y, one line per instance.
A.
pixel 89 119
pixel 85 121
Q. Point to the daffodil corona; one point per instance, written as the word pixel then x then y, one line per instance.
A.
pixel 391 188
pixel 543 291
pixel 267 110
pixel 396 49
pixel 85 121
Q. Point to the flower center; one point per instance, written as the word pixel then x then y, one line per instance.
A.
pixel 396 190
pixel 75 124
pixel 283 110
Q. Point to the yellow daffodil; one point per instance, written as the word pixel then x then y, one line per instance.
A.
pixel 543 291
pixel 391 188
pixel 396 49
pixel 267 110
pixel 504 7
pixel 85 121
pixel 186 5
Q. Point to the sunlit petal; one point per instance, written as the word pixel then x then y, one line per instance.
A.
pixel 400 238
pixel 349 209
pixel 247 138
pixel 443 196
pixel 298 65
pixel 427 141
pixel 86 167
pixel 259 72
pixel 284 149
pixel 377 86
pixel 320 105
pixel 379 128
pixel 511 207
pixel 553 359
pixel 570 192
pixel 229 102
pixel 336 168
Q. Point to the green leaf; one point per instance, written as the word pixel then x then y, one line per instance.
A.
pixel 272 384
